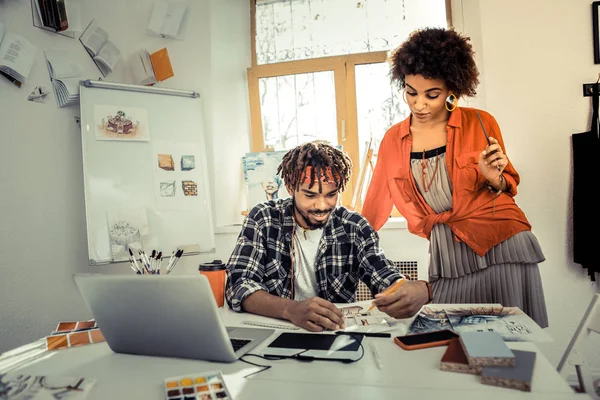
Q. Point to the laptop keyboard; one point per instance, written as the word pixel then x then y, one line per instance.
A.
pixel 239 343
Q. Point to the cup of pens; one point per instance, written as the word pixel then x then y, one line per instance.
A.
pixel 215 272
pixel 142 264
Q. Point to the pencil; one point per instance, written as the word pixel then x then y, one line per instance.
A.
pixel 483 127
pixel 391 289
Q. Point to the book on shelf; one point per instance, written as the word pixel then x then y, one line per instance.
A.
pixel 104 52
pixel 59 16
pixel 149 68
pixel 65 75
pixel 17 56
pixel 169 19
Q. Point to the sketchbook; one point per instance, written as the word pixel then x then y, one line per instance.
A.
pixel 65 75
pixel 509 322
pixel 17 56
pixel 104 52
pixel 169 19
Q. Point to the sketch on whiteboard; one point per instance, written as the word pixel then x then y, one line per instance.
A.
pixel 165 162
pixel 127 230
pixel 188 162
pixel 260 175
pixel 121 123
pixel 190 188
pixel 178 175
pixel 167 189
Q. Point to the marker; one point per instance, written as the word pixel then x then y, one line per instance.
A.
pixel 368 334
pixel 135 264
pixel 391 289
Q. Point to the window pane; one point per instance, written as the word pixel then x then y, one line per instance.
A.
pixel 298 108
pixel 379 105
pixel 300 29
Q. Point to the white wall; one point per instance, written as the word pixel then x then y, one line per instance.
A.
pixel 533 76
pixel 42 216
pixel 537 55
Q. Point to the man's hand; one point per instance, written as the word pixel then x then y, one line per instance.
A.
pixel 315 314
pixel 405 301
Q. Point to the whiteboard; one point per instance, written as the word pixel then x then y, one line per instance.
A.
pixel 145 171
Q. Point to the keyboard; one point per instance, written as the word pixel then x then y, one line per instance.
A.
pixel 239 343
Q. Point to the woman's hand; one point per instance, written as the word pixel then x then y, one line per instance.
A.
pixel 492 161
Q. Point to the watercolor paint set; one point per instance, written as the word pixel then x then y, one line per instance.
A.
pixel 204 386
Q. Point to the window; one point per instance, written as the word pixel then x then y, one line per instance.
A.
pixel 319 71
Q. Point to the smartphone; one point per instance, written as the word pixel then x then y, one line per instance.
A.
pixel 425 340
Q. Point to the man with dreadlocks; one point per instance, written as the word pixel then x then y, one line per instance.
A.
pixel 294 258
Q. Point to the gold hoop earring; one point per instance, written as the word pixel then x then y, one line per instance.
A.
pixel 404 96
pixel 452 99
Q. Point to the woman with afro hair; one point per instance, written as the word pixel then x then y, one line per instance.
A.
pixel 446 170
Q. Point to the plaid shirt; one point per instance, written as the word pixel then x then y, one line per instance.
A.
pixel 348 251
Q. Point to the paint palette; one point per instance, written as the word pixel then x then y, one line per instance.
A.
pixel 205 386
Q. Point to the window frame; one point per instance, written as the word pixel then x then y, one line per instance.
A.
pixel 344 70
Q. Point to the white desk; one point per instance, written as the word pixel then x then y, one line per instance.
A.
pixel 409 374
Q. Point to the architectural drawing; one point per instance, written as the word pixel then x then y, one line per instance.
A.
pixel 167 189
pixel 188 162
pixel 121 123
pixel 429 320
pixel 127 231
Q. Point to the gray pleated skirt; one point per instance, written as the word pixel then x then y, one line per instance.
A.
pixel 508 274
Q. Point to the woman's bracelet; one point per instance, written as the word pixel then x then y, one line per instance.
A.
pixel 502 184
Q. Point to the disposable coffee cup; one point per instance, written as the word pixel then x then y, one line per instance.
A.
pixel 215 272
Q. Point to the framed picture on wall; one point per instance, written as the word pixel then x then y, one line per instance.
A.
pixel 596 30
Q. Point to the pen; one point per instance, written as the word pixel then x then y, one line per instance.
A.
pixel 485 133
pixel 376 356
pixel 390 290
pixel 368 334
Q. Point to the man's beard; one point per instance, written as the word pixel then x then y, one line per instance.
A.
pixel 306 218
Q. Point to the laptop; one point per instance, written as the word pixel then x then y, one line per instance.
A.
pixel 165 316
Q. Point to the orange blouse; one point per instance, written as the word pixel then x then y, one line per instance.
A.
pixel 478 217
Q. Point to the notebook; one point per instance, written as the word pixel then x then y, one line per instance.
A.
pixel 166 316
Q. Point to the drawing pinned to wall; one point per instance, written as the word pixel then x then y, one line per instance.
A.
pixel 260 175
pixel 121 123
pixel 167 189
pixel 127 230
pixel 165 161
pixel 176 175
pixel 15 386
pixel 188 162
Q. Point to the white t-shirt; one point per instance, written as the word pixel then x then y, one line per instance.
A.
pixel 306 246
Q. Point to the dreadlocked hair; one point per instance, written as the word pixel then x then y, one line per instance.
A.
pixel 320 155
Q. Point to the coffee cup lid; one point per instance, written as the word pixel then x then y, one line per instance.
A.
pixel 215 265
